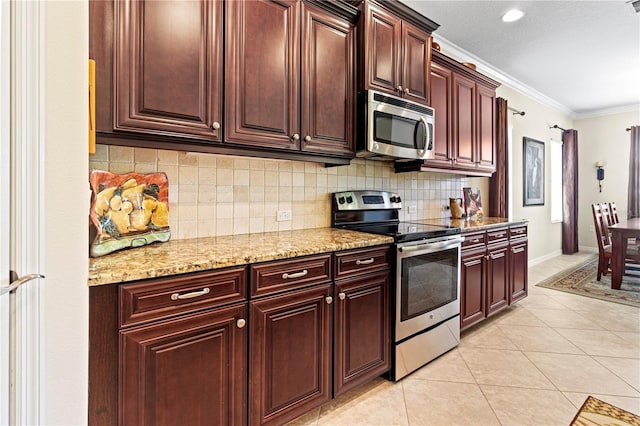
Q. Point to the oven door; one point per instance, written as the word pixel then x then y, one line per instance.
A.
pixel 427 285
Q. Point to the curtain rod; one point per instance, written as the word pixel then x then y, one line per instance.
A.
pixel 555 126
pixel 628 128
pixel 515 111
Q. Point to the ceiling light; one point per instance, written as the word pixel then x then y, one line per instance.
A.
pixel 512 15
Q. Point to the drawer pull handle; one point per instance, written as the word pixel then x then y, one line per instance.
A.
pixel 241 323
pixel 341 296
pixel 328 299
pixel 364 262
pixel 178 296
pixel 498 235
pixel 295 275
pixel 475 241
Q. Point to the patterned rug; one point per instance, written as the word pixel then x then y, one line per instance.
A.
pixel 595 412
pixel 582 280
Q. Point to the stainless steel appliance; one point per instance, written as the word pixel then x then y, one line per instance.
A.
pixel 427 270
pixel 390 127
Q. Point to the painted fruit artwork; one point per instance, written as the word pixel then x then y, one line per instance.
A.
pixel 128 210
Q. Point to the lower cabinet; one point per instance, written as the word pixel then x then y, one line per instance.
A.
pixel 290 359
pixel 242 345
pixel 361 330
pixel 186 371
pixel 493 272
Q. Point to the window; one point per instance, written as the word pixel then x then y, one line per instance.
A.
pixel 556 181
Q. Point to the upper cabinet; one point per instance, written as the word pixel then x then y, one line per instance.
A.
pixel 168 68
pixel 464 126
pixel 396 53
pixel 288 69
pixel 290 85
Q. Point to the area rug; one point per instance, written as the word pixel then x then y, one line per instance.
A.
pixel 582 280
pixel 595 413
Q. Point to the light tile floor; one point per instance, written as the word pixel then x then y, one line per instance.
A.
pixel 532 364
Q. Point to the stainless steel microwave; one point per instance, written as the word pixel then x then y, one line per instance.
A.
pixel 390 127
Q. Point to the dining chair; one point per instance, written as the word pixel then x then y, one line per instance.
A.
pixel 613 211
pixel 632 256
pixel 606 214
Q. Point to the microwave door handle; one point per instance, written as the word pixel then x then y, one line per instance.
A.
pixel 422 150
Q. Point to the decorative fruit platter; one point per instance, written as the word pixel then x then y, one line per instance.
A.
pixel 128 210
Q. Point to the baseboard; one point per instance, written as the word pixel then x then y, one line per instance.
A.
pixel 538 260
pixel 546 257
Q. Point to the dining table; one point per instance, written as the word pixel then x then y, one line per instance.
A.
pixel 620 233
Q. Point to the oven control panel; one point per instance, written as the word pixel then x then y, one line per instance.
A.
pixel 366 200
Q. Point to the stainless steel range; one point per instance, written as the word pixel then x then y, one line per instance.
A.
pixel 427 271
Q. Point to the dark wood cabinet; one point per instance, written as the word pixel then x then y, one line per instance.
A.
pixel 464 126
pixel 472 288
pixel 290 356
pixel 397 53
pixel 188 370
pixel 168 69
pixel 268 104
pixel 266 78
pixel 519 262
pixel 493 272
pixel 497 278
pixel 361 330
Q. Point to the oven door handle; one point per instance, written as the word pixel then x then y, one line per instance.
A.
pixel 432 246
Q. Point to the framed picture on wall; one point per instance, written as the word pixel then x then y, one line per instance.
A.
pixel 533 172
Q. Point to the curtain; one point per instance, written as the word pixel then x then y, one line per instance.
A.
pixel 570 192
pixel 498 182
pixel 633 200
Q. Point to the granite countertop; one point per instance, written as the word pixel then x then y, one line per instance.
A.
pixel 200 254
pixel 475 224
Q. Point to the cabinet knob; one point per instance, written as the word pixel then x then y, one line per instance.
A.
pixel 399 88
pixel 215 125
pixel 406 90
pixel 241 323
pixel 307 138
pixel 342 296
pixel 295 137
pixel 328 299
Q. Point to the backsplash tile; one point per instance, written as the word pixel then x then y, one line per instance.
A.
pixel 211 195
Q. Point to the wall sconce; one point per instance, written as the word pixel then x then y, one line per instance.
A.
pixel 600 173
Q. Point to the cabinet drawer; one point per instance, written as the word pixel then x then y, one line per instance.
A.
pixel 518 232
pixel 474 239
pixel 273 277
pixel 497 235
pixel 357 262
pixel 166 297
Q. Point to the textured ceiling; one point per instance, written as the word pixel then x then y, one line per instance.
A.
pixel 584 55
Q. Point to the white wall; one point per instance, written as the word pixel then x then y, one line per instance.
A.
pixel 603 139
pixel 65 321
pixel 545 238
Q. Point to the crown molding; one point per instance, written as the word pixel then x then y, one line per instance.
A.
pixel 489 70
pixel 609 111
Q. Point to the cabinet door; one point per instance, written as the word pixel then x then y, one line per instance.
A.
pixel 290 357
pixel 168 64
pixel 328 83
pixel 262 74
pixel 518 271
pixel 472 291
pixel 497 278
pixel 416 59
pixel 188 371
pixel 441 80
pixel 486 128
pixel 361 330
pixel 464 110
pixel 382 50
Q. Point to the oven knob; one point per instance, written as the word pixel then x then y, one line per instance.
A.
pixel 341 200
pixel 398 199
pixel 349 199
pixel 393 199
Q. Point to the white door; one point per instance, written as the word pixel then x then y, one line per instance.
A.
pixel 20 219
pixel 4 213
